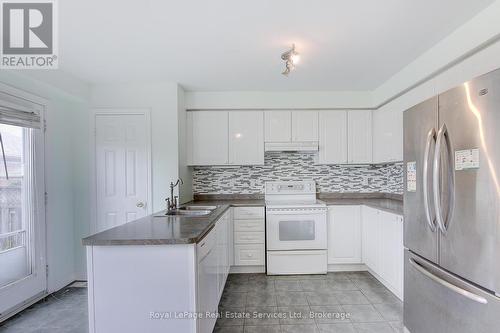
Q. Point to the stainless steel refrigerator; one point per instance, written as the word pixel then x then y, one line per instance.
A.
pixel 452 210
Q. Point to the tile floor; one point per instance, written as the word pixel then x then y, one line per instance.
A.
pixel 346 302
pixel 61 312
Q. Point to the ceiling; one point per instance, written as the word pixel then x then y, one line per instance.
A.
pixel 236 45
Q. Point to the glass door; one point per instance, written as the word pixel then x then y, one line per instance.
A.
pixel 22 223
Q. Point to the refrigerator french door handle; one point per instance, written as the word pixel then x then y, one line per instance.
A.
pixel 451 179
pixel 452 287
pixel 431 220
pixel 443 134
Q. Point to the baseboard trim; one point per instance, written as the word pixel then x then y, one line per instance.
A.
pixel 386 284
pixel 24 305
pixel 347 267
pixel 247 269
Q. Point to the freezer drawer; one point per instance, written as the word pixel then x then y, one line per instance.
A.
pixel 438 302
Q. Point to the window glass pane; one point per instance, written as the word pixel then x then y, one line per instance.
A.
pixel 15 203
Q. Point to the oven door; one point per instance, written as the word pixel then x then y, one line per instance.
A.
pixel 296 229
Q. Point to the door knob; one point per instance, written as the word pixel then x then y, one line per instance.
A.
pixel 140 205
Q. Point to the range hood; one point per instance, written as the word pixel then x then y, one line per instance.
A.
pixel 310 146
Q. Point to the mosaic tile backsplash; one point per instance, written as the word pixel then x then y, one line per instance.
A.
pixel 281 166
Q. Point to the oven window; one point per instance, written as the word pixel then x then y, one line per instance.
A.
pixel 296 230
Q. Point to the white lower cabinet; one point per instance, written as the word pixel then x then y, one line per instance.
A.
pixel 344 235
pixel 248 255
pixel 213 253
pixel 208 298
pixel 249 236
pixel 361 234
pixel 382 246
pixel 371 237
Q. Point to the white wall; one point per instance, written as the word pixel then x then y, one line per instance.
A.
pixel 61 148
pixel 277 100
pixel 185 172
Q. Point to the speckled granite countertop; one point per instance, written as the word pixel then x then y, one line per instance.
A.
pixel 392 203
pixel 160 229
pixel 235 200
pixel 389 202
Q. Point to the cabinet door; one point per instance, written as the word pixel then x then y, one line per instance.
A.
pixel 230 237
pixel 219 230
pixel 371 238
pixel 387 247
pixel 387 135
pixel 392 252
pixel 344 234
pixel 278 126
pixel 207 137
pixel 207 291
pixel 359 129
pixel 304 126
pixel 333 137
pixel 246 137
pixel 400 257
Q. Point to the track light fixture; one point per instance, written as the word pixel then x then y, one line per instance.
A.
pixel 291 58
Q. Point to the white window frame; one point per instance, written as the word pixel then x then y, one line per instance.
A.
pixel 21 291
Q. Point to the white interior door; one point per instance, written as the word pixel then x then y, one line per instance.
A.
pixel 22 205
pixel 122 167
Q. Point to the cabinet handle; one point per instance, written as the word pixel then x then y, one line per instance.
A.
pixel 249 255
pixel 203 244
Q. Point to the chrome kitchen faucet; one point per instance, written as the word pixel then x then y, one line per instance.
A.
pixel 172 202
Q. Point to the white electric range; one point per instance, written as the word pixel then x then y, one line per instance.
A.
pixel 296 229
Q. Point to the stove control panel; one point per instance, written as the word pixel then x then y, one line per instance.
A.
pixel 298 187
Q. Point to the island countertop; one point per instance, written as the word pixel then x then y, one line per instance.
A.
pixel 158 229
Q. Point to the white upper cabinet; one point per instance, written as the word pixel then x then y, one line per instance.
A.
pixel 291 126
pixel 278 126
pixel 387 135
pixel 304 126
pixel 246 137
pixel 344 234
pixel 207 137
pixel 333 137
pixel 359 129
pixel 225 137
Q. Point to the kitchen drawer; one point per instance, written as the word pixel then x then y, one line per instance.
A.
pixel 249 254
pixel 249 237
pixel 249 225
pixel 244 213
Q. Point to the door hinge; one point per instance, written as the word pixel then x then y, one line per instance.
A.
pixel 47 271
pixel 46 198
pixel 44 125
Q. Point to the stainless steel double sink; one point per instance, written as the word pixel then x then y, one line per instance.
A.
pixel 192 210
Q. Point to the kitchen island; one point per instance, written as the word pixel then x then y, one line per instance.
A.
pixel 159 274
